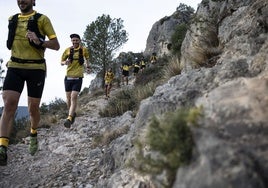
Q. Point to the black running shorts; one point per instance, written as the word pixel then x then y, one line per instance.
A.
pixel 34 78
pixel 73 84
pixel 125 73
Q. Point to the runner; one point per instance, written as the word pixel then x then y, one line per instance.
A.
pixel 109 76
pixel 76 58
pixel 26 40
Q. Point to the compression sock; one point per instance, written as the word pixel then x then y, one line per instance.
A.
pixel 70 118
pixel 33 132
pixel 4 141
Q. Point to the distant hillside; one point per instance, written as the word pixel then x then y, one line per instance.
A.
pixel 22 112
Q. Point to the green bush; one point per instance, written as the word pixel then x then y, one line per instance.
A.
pixel 177 38
pixel 55 107
pixel 169 144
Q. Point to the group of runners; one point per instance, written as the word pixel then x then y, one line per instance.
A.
pixel 30 34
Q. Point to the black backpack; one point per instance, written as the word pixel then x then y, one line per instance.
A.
pixel 81 57
pixel 32 26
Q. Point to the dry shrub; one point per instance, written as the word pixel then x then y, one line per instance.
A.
pixel 142 92
pixel 173 68
pixel 123 101
pixel 108 136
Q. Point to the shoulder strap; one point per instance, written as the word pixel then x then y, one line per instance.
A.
pixel 12 25
pixel 71 54
pixel 81 56
pixel 33 26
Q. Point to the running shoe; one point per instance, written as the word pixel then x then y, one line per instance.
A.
pixel 33 147
pixel 67 123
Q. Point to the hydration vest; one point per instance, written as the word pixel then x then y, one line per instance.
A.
pixel 31 26
pixel 81 57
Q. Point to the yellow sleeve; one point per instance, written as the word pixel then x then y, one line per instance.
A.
pixel 86 53
pixel 65 54
pixel 46 26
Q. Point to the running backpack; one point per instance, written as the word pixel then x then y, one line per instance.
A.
pixel 81 57
pixel 32 26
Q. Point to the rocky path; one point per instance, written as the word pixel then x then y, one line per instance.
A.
pixel 65 158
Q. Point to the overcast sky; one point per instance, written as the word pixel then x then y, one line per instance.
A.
pixel 69 16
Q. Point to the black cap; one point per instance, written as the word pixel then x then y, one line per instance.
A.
pixel 74 36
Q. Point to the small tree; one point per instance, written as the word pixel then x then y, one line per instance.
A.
pixel 185 8
pixel 102 38
pixel 177 38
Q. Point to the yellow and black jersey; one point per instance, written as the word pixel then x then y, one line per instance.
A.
pixel 75 69
pixel 21 47
pixel 109 76
pixel 126 67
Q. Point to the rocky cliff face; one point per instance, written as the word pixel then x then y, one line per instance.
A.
pixel 225 55
pixel 159 38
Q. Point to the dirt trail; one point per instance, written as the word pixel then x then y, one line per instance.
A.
pixel 66 157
